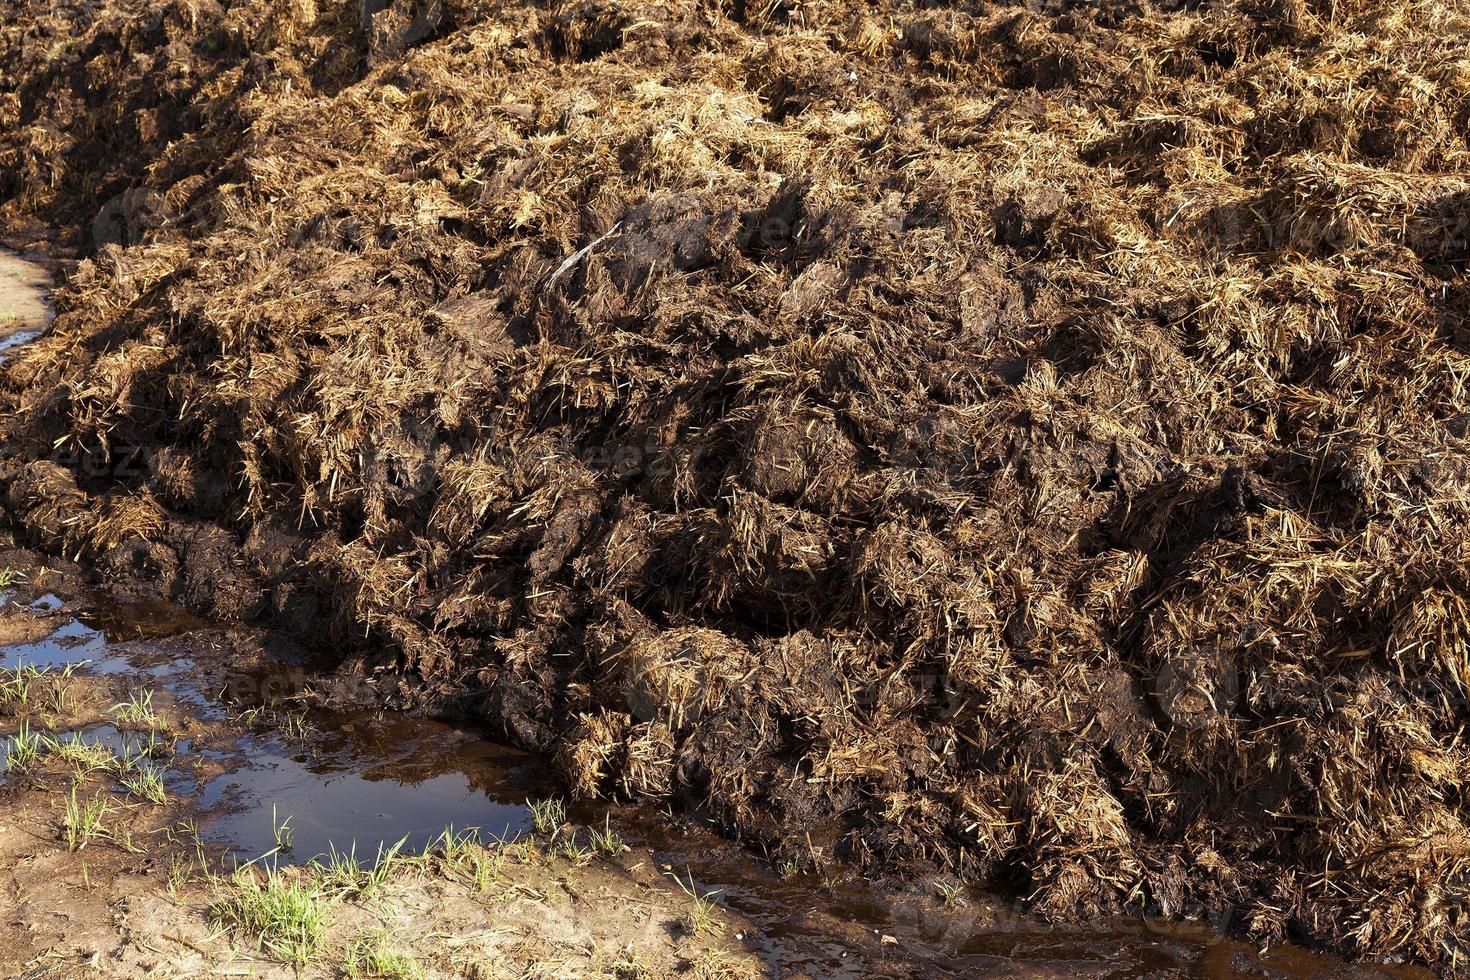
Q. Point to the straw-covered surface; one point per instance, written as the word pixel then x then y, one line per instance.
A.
pixel 1031 441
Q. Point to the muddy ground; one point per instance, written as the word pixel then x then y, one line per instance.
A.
pixel 147 892
pixel 157 886
pixel 1013 441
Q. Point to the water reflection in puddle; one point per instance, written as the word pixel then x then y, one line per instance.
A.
pixel 18 338
pixel 47 603
pixel 76 645
pixel 332 807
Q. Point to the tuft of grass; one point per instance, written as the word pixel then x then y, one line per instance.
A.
pixel 294 726
pixel 628 965
pixel 285 917
pixel 23 684
pixel 606 841
pixel 24 751
pixel 125 841
pixel 84 757
pixel 82 822
pixel 483 867
pixel 283 832
pixel 467 857
pixel 548 816
pixel 179 874
pixel 702 916
pixel 186 831
pixel 146 782
pixel 59 698
pixel 453 847
pixel 343 874
pixel 575 851
pixel 137 710
pixel 472 860
pixel 375 955
pixel 9 576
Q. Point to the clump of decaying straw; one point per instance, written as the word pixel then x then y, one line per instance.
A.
pixel 1030 443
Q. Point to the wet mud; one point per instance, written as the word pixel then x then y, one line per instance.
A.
pixel 256 749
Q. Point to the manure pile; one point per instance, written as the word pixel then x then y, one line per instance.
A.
pixel 1025 440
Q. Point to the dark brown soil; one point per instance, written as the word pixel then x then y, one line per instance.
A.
pixel 1023 440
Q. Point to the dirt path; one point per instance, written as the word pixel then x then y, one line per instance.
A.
pixel 23 308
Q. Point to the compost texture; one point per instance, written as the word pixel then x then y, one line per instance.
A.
pixel 1025 440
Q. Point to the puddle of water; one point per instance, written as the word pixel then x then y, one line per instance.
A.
pixel 18 338
pixel 47 603
pixel 71 645
pixel 78 645
pixel 366 781
pixel 352 782
pixel 146 619
pixel 331 808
